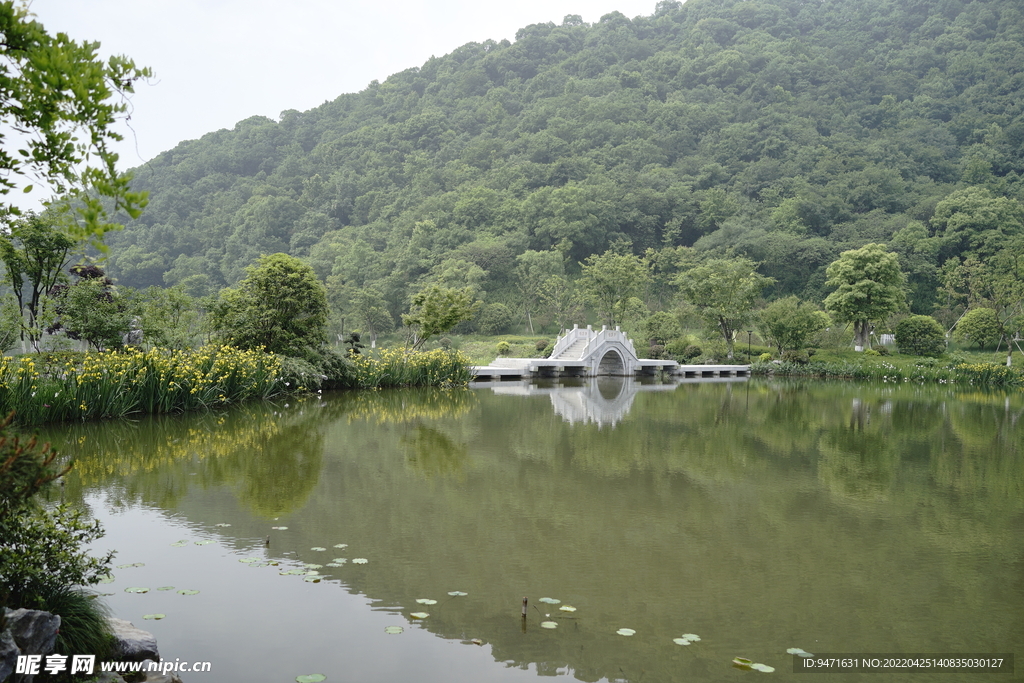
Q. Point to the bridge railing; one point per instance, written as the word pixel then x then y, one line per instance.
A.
pixel 594 339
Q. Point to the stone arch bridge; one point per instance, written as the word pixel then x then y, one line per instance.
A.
pixel 586 352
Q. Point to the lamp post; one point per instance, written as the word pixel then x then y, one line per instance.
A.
pixel 749 332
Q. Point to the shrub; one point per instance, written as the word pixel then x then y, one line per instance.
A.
pixel 871 352
pixel 979 326
pixel 84 629
pixel 503 348
pixel 41 550
pixel 920 335
pixel 657 351
pixel 541 345
pixel 882 350
pixel 764 358
pixel 692 351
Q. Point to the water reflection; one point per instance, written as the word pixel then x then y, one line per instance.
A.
pixel 841 517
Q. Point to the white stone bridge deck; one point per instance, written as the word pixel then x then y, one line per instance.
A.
pixel 592 353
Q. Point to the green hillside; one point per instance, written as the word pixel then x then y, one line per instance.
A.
pixel 783 130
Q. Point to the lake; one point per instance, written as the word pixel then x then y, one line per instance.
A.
pixel 760 516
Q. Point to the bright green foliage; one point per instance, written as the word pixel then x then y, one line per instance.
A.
pixel 724 292
pixel 979 326
pixel 920 335
pixel 609 280
pixel 435 310
pixel 93 311
pixel 280 306
pixel 63 96
pixel 869 286
pixel 788 323
pixel 40 550
pixel 561 301
pixel 533 268
pixel 35 252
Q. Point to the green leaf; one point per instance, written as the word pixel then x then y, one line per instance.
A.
pixel 393 630
pixel 154 616
pixel 549 624
pixel 186 591
pixel 136 590
pixel 311 678
pixel 626 631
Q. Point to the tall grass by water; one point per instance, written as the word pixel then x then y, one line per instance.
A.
pixel 400 368
pixel 120 383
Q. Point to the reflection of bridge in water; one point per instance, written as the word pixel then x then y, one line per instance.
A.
pixel 599 400
pixel 592 353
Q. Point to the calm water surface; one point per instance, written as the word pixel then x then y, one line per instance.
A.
pixel 837 518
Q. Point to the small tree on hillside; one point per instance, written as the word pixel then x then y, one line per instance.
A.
pixel 788 323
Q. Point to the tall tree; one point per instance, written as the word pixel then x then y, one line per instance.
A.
pixel 35 250
pixel 609 280
pixel 724 292
pixel 787 323
pixel 869 286
pixel 64 101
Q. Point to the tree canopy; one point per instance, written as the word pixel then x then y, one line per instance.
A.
pixel 869 286
pixel 61 101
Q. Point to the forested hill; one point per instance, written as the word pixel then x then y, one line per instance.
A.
pixel 786 130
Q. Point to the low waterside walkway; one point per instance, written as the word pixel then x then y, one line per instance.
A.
pixel 591 353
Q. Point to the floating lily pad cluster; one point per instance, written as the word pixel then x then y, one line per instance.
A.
pixel 799 651
pixel 686 639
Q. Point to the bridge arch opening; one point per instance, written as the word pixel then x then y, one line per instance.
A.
pixel 611 364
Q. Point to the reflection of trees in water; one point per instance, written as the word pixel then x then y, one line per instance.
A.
pixel 407 405
pixel 271 453
pixel 433 453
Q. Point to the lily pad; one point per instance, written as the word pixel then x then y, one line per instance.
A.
pixel 626 631
pixel 154 616
pixel 742 662
pixel 205 542
pixel 134 564
pixel 457 594
pixel 567 608
pixel 692 637
pixel 165 588
pixel 360 560
pixel 136 589
pixel 187 591
pixel 393 630
pixel 477 641
pixel 762 667
pixel 341 560
pixel 107 578
pixel 550 601
pixel 250 560
pixel 311 678
pixel 313 565
pixel 419 615
pixel 341 545
pixel 292 572
pixel 426 601
pixel 332 564
pixel 799 651
pixel 681 641
pixel 179 544
pixel 222 524
pixel 318 548
pixel 312 579
pixel 549 624
pixel 312 572
pixel 279 528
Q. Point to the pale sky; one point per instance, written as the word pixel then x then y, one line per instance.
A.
pixel 217 62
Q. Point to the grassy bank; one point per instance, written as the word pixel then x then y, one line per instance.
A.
pixel 979 369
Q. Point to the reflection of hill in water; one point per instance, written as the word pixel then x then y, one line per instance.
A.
pixel 603 401
pixel 719 509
